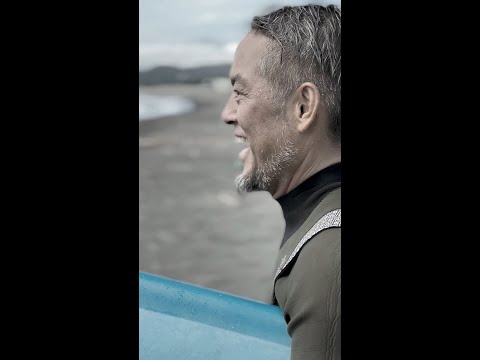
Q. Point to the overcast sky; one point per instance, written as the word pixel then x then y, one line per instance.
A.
pixel 188 33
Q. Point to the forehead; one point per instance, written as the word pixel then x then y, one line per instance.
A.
pixel 250 50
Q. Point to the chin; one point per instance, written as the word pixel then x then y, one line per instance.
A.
pixel 255 181
pixel 243 183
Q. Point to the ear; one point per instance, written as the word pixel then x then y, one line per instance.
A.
pixel 307 105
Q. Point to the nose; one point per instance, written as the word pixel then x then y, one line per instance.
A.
pixel 229 112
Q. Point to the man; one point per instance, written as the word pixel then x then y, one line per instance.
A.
pixel 285 106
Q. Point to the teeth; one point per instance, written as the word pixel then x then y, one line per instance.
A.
pixel 240 140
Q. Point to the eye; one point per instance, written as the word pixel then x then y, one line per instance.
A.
pixel 237 93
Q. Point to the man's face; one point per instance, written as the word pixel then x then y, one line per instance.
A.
pixel 257 122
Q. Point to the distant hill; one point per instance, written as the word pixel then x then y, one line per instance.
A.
pixel 172 75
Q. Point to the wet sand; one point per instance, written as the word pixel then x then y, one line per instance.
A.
pixel 194 227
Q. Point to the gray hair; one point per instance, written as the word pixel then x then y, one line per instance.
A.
pixel 304 47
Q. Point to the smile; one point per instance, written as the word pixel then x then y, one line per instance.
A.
pixel 241 140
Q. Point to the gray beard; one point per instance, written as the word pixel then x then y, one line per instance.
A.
pixel 262 177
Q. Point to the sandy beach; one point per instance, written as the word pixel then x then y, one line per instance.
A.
pixel 194 226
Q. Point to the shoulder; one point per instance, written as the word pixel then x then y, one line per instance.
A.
pixel 325 216
pixel 314 281
pixel 319 260
pixel 333 200
pixel 310 297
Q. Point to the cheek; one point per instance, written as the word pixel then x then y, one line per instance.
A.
pixel 264 141
pixel 260 126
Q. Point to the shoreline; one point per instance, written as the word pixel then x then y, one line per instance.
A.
pixel 200 96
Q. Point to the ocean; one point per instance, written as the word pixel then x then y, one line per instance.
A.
pixel 156 106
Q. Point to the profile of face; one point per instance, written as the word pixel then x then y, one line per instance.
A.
pixel 257 122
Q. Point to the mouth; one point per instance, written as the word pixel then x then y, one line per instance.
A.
pixel 241 140
pixel 242 155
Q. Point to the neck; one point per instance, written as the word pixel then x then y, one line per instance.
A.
pixel 311 164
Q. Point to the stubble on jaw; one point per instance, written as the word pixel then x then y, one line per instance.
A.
pixel 262 176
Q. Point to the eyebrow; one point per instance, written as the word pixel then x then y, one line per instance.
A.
pixel 237 78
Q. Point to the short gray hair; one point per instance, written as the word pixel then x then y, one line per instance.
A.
pixel 304 47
